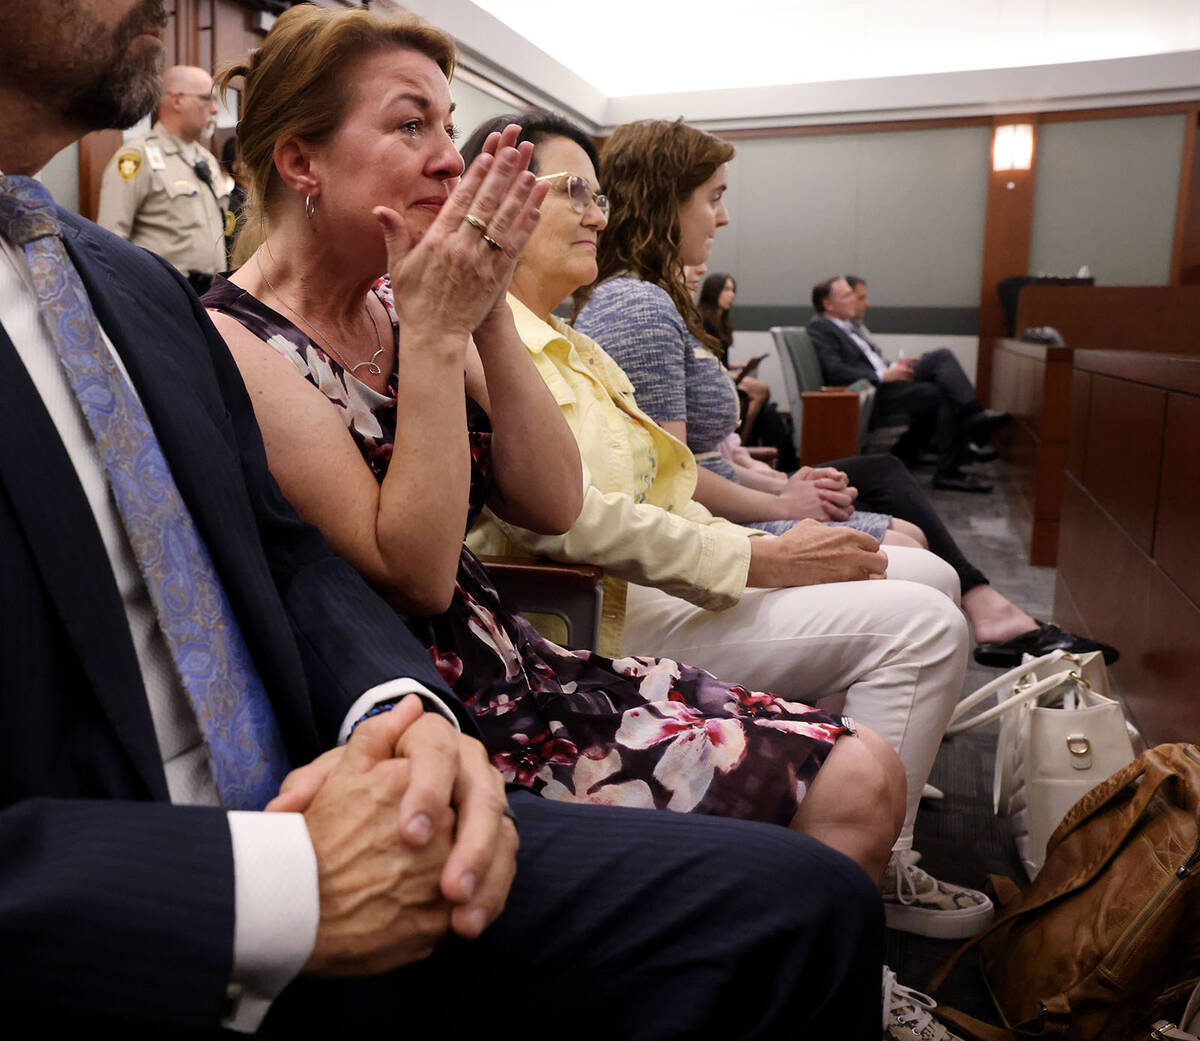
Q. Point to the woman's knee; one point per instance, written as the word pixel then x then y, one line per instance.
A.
pixel 910 564
pixel 862 784
pixel 914 533
pixel 940 614
pixel 756 389
pixel 931 625
pixel 895 537
pixel 894 774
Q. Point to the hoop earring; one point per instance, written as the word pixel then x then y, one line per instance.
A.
pixel 310 207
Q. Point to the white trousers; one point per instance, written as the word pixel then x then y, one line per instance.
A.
pixel 898 648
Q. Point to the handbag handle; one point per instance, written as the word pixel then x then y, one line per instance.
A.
pixel 1189 1022
pixel 1164 1031
pixel 1005 680
pixel 1030 693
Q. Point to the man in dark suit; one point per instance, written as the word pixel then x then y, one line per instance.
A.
pixel 933 391
pixel 173 640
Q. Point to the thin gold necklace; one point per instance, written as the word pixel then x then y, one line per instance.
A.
pixel 372 366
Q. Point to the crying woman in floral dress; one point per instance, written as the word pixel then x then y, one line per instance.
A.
pixel 372 439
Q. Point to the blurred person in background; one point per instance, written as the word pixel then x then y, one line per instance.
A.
pixel 163 190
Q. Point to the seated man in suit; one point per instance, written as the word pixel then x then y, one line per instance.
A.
pixel 932 390
pixel 174 641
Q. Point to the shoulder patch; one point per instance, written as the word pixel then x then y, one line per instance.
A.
pixel 128 165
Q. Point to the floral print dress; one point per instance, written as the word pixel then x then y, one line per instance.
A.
pixel 573 725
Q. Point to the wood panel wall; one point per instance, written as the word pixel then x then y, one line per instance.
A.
pixel 1036 385
pixel 95 150
pixel 1008 231
pixel 1033 382
pixel 1162 319
pixel 1185 256
pixel 1129 557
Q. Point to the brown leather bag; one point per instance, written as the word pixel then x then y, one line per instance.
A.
pixel 1107 939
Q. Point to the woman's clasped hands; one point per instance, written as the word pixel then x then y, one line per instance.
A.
pixel 455 275
pixel 822 493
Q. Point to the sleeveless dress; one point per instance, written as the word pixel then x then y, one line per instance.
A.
pixel 573 725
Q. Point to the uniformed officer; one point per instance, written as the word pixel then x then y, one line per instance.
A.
pixel 164 190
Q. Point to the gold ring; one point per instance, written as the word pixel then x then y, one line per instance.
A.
pixel 492 243
pixel 478 223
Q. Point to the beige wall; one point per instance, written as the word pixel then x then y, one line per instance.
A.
pixel 472 106
pixel 61 177
pixel 905 210
pixel 1105 196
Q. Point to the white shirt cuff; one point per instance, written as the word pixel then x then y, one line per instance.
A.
pixel 276 904
pixel 276 907
pixel 396 688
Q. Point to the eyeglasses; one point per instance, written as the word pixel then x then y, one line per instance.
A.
pixel 209 97
pixel 579 193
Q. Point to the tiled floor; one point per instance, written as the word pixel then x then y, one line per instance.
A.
pixel 960 838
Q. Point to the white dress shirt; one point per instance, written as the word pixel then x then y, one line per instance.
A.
pixel 275 870
pixel 864 345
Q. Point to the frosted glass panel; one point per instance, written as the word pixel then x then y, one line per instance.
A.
pixel 905 210
pixel 1105 196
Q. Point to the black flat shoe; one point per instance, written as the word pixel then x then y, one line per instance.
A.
pixel 1042 640
pixel 981 453
pixel 957 481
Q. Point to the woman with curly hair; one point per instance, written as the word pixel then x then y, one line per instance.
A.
pixel 669 181
pixel 666 182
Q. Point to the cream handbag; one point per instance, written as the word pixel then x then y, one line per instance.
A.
pixel 1189 1023
pixel 1060 736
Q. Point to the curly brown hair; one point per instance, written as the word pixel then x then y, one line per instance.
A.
pixel 648 169
pixel 295 85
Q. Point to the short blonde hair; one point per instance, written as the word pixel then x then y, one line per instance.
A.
pixel 295 85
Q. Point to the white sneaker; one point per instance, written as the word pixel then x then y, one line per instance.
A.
pixel 907 1014
pixel 916 902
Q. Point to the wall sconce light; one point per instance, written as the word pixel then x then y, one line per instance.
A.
pixel 1012 147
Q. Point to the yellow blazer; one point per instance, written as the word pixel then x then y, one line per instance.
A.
pixel 639 521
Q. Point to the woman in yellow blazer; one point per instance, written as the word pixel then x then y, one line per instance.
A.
pixel 744 602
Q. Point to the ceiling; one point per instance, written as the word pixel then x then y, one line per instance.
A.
pixel 729 63
pixel 635 47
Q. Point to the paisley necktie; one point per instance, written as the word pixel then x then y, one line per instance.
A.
pixel 245 746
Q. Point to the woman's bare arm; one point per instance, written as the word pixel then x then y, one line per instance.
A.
pixel 403 535
pixel 773 481
pixel 742 505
